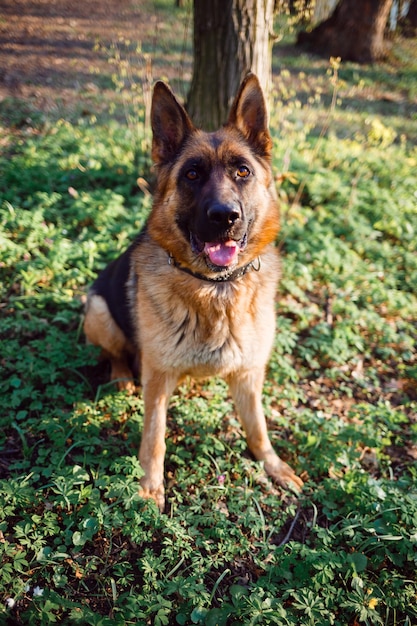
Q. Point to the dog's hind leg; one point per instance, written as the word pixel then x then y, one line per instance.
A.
pixel 246 390
pixel 101 330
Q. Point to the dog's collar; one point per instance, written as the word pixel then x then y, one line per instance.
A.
pixel 222 277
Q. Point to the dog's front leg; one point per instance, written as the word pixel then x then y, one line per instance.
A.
pixel 246 389
pixel 157 389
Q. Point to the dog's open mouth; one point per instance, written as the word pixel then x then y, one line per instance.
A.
pixel 219 254
pixel 222 254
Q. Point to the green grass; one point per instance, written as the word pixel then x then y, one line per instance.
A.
pixel 77 544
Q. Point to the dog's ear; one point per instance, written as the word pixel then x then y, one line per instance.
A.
pixel 170 124
pixel 249 115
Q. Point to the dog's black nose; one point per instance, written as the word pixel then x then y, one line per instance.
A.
pixel 223 214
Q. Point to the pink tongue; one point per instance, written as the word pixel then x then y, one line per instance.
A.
pixel 222 254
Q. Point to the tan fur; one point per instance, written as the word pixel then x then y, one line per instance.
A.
pixel 185 326
pixel 101 330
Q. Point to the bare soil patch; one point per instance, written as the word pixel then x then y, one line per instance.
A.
pixel 55 53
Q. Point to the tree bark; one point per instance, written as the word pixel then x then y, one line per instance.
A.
pixel 231 38
pixel 354 31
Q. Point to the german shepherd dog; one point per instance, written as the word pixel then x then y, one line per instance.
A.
pixel 194 293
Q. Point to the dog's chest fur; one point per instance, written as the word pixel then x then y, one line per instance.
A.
pixel 203 329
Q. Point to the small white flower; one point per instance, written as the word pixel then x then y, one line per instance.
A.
pixel 10 603
pixel 37 591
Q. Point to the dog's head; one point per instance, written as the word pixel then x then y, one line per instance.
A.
pixel 215 206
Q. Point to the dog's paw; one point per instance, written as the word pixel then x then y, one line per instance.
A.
pixel 157 495
pixel 122 376
pixel 127 385
pixel 282 473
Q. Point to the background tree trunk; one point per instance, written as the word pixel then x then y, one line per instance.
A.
pixel 354 31
pixel 231 38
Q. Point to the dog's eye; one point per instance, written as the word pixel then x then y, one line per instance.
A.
pixel 243 171
pixel 191 174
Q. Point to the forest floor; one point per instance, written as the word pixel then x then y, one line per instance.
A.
pixel 55 53
pixel 60 56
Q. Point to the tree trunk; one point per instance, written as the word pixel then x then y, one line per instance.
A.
pixel 231 38
pixel 354 31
